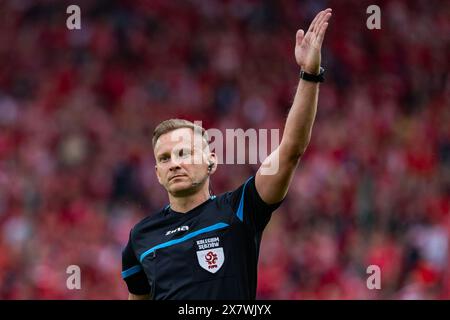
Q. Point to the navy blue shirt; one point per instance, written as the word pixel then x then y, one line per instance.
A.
pixel 209 252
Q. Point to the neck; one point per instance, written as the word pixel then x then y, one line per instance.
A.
pixel 187 203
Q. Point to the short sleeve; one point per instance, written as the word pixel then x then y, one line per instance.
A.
pixel 132 272
pixel 249 207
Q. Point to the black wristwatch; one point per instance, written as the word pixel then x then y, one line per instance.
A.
pixel 312 77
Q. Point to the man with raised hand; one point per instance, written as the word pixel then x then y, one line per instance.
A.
pixel 202 246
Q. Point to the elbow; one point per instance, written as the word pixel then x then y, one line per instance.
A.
pixel 295 152
pixel 295 157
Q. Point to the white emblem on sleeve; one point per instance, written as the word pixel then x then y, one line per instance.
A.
pixel 211 260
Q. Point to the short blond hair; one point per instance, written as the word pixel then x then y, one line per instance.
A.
pixel 173 124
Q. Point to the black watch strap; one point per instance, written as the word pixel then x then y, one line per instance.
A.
pixel 312 77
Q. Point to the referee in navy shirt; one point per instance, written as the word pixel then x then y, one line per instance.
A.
pixel 202 246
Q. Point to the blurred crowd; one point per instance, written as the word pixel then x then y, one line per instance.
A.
pixel 78 107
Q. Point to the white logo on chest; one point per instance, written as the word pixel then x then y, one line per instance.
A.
pixel 209 255
pixel 183 228
pixel 211 259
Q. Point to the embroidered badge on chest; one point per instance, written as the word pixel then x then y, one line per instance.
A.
pixel 210 256
pixel 211 259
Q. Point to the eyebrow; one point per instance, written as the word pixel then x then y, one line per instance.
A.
pixel 164 153
pixel 169 152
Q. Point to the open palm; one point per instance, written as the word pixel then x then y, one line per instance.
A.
pixel 308 46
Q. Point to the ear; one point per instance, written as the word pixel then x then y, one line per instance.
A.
pixel 157 174
pixel 212 158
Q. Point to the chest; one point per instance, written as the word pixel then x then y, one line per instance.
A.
pixel 201 250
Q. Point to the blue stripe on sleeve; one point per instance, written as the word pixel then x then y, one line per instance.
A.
pixel 240 211
pixel 131 271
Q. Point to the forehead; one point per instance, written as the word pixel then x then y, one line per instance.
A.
pixel 182 137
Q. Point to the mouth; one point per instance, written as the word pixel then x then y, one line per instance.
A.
pixel 177 176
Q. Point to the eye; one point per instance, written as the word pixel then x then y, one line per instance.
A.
pixel 163 159
pixel 183 153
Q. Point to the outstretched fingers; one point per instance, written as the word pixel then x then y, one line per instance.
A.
pixel 324 16
pixel 313 23
pixel 321 33
pixel 320 27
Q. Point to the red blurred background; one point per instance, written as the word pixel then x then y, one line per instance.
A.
pixel 77 110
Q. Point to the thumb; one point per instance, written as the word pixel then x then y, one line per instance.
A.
pixel 299 36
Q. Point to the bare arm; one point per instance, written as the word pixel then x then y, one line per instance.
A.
pixel 138 296
pixel 273 186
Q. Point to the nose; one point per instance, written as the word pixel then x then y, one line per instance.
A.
pixel 174 165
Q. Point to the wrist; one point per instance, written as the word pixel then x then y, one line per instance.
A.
pixel 313 71
pixel 313 77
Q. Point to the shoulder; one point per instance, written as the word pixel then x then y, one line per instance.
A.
pixel 147 223
pixel 238 190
